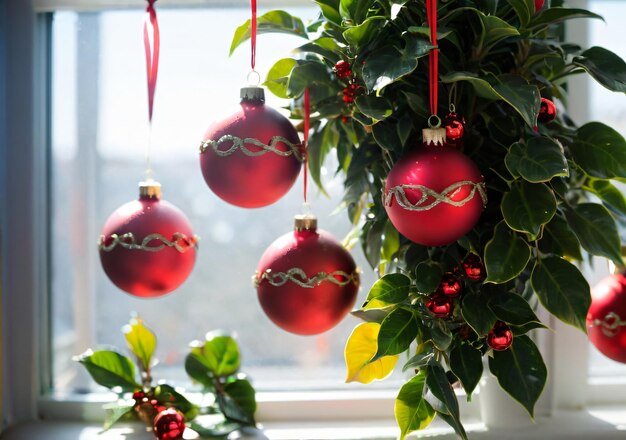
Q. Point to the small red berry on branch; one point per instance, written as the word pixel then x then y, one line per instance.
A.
pixel 500 337
pixel 343 69
pixel 440 305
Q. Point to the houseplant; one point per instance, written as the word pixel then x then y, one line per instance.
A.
pixel 551 199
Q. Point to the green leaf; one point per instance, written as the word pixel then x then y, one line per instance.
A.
pixel 506 255
pixel 466 363
pixel 219 354
pixel 278 77
pixel 391 242
pixel 168 394
pixel 538 160
pixel 554 15
pixel 438 384
pixel 419 360
pixel 355 10
pixel 317 149
pixel 141 341
pixel 361 35
pixel 270 22
pixel 388 64
pixel 317 47
pixel 512 89
pixel 199 372
pixel 371 315
pixel 374 107
pixel 386 136
pixel 512 309
pixel 524 9
pixel 527 206
pixel 237 401
pixel 605 67
pixel 218 431
pixel 440 335
pixel 477 314
pixel 110 369
pixel 391 289
pixel 521 371
pixel 330 10
pixel 411 409
pixel 114 414
pixel 559 239
pixel 562 290
pixel 303 75
pixel 608 193
pixel 596 230
pixel 428 276
pixel 600 151
pixel 494 29
pixel 397 331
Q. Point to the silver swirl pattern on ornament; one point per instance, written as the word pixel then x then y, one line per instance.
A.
pixel 610 325
pixel 300 278
pixel 445 196
pixel 238 143
pixel 179 241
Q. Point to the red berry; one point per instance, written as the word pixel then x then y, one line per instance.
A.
pixel 473 267
pixel 538 4
pixel 169 424
pixel 343 69
pixel 500 337
pixel 345 119
pixel 138 396
pixel 547 111
pixel 440 305
pixel 450 285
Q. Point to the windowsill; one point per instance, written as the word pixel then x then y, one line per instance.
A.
pixel 598 423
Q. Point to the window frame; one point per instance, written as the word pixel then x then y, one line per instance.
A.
pixel 24 241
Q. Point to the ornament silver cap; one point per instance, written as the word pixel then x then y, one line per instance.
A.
pixel 252 93
pixel 150 189
pixel 305 222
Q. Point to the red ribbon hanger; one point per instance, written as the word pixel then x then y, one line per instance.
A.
pixel 433 57
pixel 307 126
pixel 253 35
pixel 152 42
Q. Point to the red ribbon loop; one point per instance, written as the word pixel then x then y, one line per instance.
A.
pixel 253 34
pixel 152 45
pixel 307 127
pixel 433 57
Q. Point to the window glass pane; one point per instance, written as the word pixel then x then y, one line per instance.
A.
pixel 609 108
pixel 100 135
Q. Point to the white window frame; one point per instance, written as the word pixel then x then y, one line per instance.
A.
pixel 24 236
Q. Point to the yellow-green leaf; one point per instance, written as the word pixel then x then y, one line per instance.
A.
pixel 362 345
pixel 141 341
pixel 412 411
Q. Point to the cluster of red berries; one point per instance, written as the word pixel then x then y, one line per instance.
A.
pixel 167 423
pixel 441 303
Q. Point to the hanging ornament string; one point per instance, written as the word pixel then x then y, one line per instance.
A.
pixel 307 126
pixel 152 42
pixel 433 57
pixel 253 36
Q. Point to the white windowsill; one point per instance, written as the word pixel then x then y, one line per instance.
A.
pixel 602 423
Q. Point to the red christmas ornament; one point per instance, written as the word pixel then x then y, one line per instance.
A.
pixel 440 305
pixel 474 268
pixel 147 247
pixel 343 69
pixel 500 337
pixel 253 157
pixel 547 111
pixel 606 319
pixel 434 195
pixel 450 285
pixel 306 281
pixel 455 127
pixel 538 4
pixel 169 424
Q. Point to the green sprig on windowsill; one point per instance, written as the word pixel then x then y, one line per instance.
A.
pixel 213 363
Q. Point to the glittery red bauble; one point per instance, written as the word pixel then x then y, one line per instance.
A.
pixel 147 247
pixel 538 4
pixel 440 305
pixel 547 111
pixel 450 285
pixel 455 127
pixel 169 424
pixel 433 195
pixel 606 319
pixel 500 337
pixel 306 281
pixel 252 157
pixel 473 268
pixel 343 69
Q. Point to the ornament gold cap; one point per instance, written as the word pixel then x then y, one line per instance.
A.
pixel 305 222
pixel 252 93
pixel 434 136
pixel 149 189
